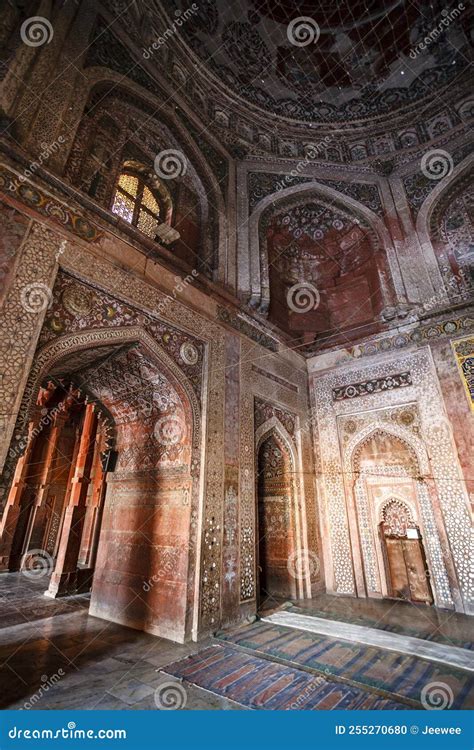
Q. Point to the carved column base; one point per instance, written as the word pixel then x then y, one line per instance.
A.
pixel 66 584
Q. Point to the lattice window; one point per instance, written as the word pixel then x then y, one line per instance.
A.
pixel 396 518
pixel 135 203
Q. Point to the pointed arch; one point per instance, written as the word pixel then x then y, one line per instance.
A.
pixel 413 484
pixel 413 443
pixel 424 218
pixel 300 558
pixel 61 348
pixel 205 178
pixel 273 425
pixel 258 255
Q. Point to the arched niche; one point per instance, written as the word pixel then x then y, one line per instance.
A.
pixel 445 230
pixel 121 121
pixel 312 235
pixel 145 567
pixel 280 509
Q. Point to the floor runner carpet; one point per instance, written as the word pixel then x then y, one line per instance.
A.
pixel 399 675
pixel 264 685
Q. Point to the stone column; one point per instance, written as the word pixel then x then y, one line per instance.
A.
pixel 38 521
pixel 66 578
pixel 99 499
pixel 12 509
pixel 93 502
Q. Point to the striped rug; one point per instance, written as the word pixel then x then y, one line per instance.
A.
pixel 260 684
pixel 387 672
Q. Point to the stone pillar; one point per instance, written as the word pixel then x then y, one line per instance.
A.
pixel 13 507
pixel 99 511
pixel 66 578
pixel 39 519
pixel 93 503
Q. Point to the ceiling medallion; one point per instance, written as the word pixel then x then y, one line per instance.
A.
pixel 188 353
pixel 77 301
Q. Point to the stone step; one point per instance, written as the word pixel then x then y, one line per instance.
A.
pixel 430 650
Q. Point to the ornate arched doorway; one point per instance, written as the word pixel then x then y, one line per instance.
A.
pixel 276 539
pixel 400 554
pixel 143 569
pixel 52 518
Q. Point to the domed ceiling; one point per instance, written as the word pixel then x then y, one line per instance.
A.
pixel 327 60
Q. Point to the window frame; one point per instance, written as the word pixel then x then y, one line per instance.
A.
pixel 137 201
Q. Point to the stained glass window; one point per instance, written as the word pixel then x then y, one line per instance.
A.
pixel 135 203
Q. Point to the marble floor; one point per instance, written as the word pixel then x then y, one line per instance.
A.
pixel 53 654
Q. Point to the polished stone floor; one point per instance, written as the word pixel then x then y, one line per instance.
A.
pixel 53 654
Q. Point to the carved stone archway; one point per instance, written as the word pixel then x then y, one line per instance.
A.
pixel 301 561
pixel 258 259
pixel 59 351
pixel 424 230
pixel 409 482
